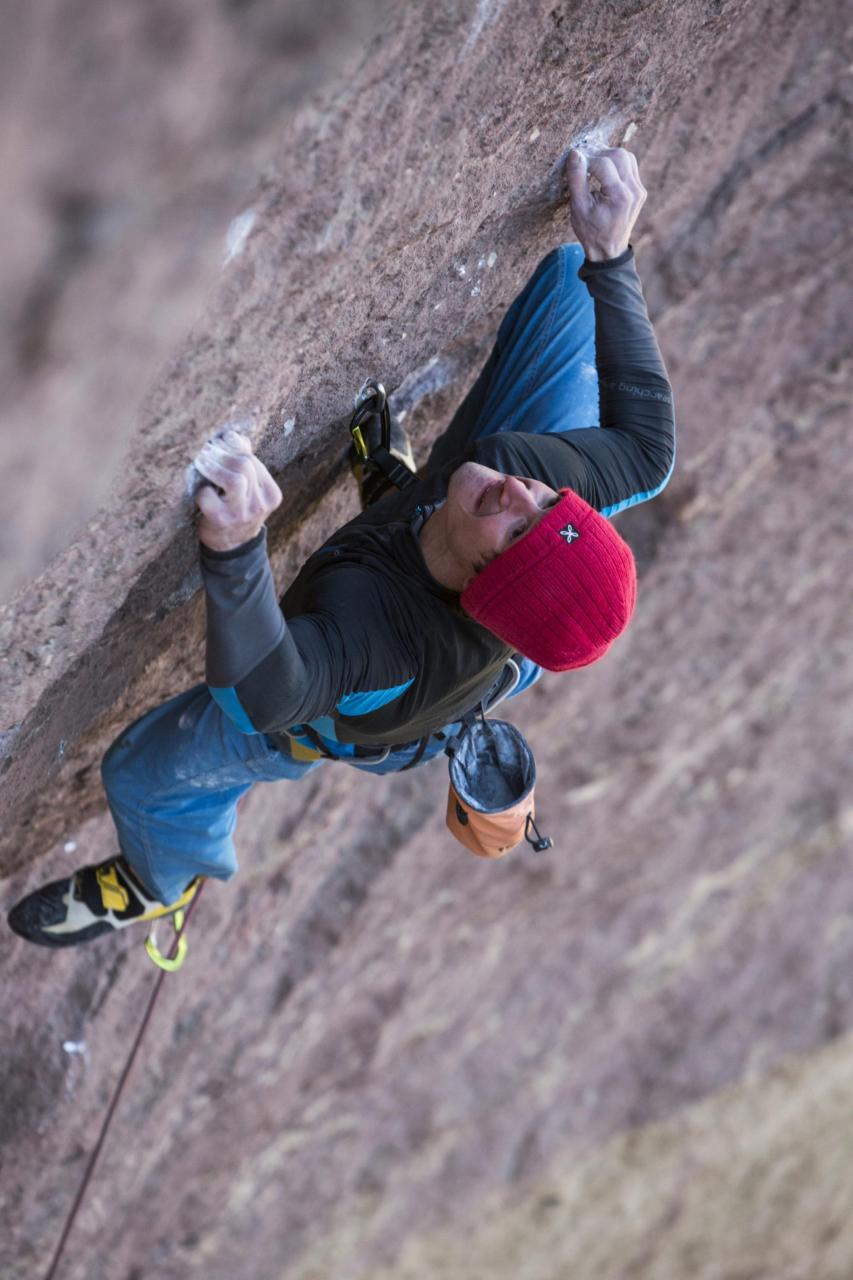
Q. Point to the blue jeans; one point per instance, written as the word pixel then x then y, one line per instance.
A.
pixel 174 778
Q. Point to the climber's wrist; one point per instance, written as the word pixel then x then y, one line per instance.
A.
pixel 604 250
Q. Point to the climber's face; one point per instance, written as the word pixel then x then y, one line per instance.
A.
pixel 485 512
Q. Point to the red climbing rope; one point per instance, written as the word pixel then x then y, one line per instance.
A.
pixel 128 1066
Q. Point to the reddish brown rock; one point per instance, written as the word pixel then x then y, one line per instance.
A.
pixel 133 136
pixel 384 1058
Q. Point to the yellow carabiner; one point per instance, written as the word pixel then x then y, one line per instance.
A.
pixel 170 963
pixel 361 447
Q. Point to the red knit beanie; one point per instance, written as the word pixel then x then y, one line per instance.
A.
pixel 561 594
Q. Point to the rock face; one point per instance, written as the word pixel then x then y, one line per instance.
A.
pixel 133 135
pixel 629 1056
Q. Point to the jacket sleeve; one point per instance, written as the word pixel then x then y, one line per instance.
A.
pixel 255 668
pixel 630 457
pixel 268 674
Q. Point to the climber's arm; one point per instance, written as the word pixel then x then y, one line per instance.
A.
pixel 264 672
pixel 267 673
pixel 244 622
pixel 630 457
pixel 633 457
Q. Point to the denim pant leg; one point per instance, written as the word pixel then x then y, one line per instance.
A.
pixel 544 377
pixel 173 780
pixel 541 374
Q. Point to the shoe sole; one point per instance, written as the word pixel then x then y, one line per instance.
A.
pixel 32 914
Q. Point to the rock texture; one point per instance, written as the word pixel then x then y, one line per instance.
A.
pixel 630 1057
pixel 132 136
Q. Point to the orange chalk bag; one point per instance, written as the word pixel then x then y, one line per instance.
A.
pixel 490 801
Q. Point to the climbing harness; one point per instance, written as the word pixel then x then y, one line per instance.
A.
pixel 289 741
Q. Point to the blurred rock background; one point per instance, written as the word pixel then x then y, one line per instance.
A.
pixel 132 134
pixel 629 1058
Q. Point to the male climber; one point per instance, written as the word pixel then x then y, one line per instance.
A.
pixel 408 616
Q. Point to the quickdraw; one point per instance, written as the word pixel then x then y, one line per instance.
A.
pixel 372 403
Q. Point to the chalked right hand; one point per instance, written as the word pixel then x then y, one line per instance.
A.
pixel 239 495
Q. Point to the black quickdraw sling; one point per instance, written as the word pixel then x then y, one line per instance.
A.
pixel 371 408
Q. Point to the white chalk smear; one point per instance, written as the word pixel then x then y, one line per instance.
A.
pixel 217 452
pixel 588 370
pixel 488 12
pixel 475 292
pixel 287 426
pixel 491 260
pixel 595 137
pixel 460 269
pixel 8 738
pixel 534 135
pixel 238 234
pixel 70 846
pixel 629 132
pixel 422 381
pixel 192 480
pixel 74 1046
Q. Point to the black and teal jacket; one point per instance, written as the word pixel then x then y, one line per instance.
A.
pixel 365 645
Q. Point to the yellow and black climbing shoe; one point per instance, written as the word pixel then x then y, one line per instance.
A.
pixel 94 901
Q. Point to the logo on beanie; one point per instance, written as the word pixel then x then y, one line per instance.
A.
pixel 570 533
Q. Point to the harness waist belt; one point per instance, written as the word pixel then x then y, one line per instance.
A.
pixel 502 688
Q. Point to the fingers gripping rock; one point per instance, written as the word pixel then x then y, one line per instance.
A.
pixel 222 448
pixel 232 489
pixel 603 216
pixel 576 174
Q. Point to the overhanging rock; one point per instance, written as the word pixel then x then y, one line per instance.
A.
pixel 396 229
pixel 414 1065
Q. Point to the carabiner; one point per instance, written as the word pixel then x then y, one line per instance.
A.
pixel 371 389
pixel 170 963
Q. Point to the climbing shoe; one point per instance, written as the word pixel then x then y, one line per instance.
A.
pixel 372 481
pixel 93 901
